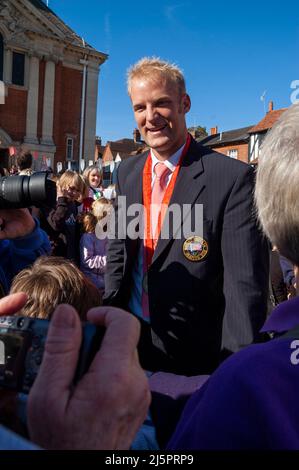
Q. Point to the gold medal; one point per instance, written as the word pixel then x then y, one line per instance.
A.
pixel 195 248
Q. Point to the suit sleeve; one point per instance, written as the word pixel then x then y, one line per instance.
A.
pixel 246 267
pixel 115 251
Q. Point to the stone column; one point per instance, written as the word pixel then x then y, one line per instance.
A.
pixel 90 112
pixel 48 111
pixel 32 102
pixel 7 65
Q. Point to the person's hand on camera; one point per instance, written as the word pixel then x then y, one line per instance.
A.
pixel 15 223
pixel 12 303
pixel 109 404
pixel 8 406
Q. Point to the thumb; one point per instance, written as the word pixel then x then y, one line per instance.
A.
pixel 12 303
pixel 60 357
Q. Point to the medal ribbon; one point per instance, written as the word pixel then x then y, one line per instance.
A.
pixel 150 242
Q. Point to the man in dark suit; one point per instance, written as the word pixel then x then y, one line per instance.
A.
pixel 199 296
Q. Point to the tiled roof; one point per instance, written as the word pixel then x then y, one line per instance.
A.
pixel 268 121
pixel 227 137
pixel 124 146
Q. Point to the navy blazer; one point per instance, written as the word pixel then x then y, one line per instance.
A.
pixel 198 309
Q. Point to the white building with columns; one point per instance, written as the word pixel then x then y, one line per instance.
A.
pixel 50 78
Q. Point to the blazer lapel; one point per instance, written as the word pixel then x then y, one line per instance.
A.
pixel 134 181
pixel 187 187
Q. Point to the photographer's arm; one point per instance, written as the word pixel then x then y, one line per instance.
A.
pixel 23 241
pixel 108 405
pixel 15 223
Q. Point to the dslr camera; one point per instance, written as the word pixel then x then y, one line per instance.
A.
pixel 22 191
pixel 22 342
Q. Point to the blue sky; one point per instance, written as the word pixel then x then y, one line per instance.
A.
pixel 230 52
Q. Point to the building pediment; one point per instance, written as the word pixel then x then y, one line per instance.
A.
pixel 18 22
pixel 29 23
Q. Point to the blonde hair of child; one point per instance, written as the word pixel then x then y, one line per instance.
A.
pixel 51 281
pixel 101 208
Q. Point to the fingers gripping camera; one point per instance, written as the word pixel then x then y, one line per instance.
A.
pixel 22 342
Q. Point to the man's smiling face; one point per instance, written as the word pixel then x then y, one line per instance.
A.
pixel 159 110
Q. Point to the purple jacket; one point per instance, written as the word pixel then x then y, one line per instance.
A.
pixel 93 258
pixel 251 401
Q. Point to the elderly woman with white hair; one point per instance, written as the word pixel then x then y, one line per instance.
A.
pixel 251 401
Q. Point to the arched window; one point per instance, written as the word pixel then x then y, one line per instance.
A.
pixel 1 56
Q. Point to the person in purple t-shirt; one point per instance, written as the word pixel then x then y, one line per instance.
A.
pixel 251 401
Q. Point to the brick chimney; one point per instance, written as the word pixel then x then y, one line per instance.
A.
pixel 214 130
pixel 136 136
pixel 271 106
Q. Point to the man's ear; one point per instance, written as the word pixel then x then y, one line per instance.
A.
pixel 186 103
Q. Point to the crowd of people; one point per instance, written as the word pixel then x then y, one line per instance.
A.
pixel 189 320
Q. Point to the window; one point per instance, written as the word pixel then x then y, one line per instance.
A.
pixel 1 56
pixel 106 176
pixel 233 153
pixel 18 68
pixel 69 148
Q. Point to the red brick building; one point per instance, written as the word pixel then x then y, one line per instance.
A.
pixel 114 152
pixel 121 149
pixel 232 143
pixel 51 86
pixel 243 144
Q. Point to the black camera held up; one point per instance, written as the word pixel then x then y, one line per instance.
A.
pixel 26 191
pixel 22 342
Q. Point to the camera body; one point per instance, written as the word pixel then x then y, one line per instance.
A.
pixel 22 343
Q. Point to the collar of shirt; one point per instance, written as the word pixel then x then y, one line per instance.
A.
pixel 171 162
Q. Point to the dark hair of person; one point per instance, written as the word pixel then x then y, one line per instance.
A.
pixel 24 161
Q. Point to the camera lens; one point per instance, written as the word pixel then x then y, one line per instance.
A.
pixel 24 191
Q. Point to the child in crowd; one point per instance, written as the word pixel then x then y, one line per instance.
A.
pixel 93 244
pixel 51 281
pixel 61 222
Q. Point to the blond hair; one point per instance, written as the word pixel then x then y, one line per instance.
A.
pixel 52 281
pixel 89 222
pixel 278 168
pixel 70 177
pixel 155 69
pixel 88 170
pixel 101 208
